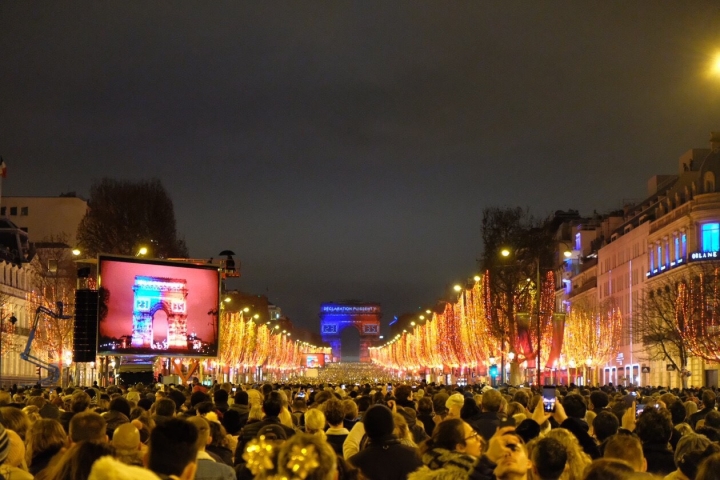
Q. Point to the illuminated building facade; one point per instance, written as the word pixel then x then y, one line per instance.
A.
pixel 364 317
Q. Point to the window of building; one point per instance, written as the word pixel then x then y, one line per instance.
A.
pixel 3 210
pixel 710 234
pixel 684 245
pixel 24 211
pixel 578 243
pixel 13 211
pixel 24 229
pixel 677 248
pixel 667 252
pixel 659 256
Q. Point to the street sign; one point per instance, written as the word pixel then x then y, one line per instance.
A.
pixel 645 369
pixel 670 367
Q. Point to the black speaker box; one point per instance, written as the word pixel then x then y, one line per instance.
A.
pixel 86 325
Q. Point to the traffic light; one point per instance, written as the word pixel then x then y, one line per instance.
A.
pixel 493 371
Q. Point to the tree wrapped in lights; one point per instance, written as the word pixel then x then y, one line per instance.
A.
pixel 592 333
pixel 698 315
pixel 455 337
pixel 53 276
pixel 515 248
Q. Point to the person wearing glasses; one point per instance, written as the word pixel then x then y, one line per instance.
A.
pixel 450 453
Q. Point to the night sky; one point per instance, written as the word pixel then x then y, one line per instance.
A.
pixel 347 149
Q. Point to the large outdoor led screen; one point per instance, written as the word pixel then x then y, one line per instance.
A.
pixel 150 307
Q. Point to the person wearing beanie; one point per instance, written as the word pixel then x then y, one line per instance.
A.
pixel 13 464
pixel 384 458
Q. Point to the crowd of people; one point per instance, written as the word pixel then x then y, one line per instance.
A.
pixel 359 431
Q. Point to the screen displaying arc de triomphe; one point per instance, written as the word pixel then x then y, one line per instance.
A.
pixel 336 317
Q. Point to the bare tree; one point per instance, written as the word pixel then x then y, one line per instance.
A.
pixel 125 215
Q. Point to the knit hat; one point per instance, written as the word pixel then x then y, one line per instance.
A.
pixel 107 468
pixel 528 429
pixel 378 421
pixel 455 400
pixel 4 445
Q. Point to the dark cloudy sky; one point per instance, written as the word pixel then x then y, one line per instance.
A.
pixel 347 149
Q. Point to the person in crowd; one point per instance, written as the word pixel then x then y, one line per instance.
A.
pixel 609 469
pixel 88 426
pixel 14 467
pixel 512 459
pixel 207 466
pixel 117 414
pixel 605 425
pixel 385 457
pixel 272 406
pixel 220 398
pixel 45 439
pixel 402 431
pixel 599 401
pixel 309 454
pixel 710 468
pixel 241 405
pixel 79 403
pixel 315 423
pixel 14 419
pixel 76 462
pixel 173 450
pixel 488 420
pixel 164 409
pixel 350 408
pixel 627 448
pixel 127 444
pixel 708 401
pixel 571 416
pixel 549 458
pixel 336 433
pixel 577 459
pixel 108 468
pixel 654 428
pixel 454 405
pixel 426 415
pixel 218 447
pixel 450 453
pixel 691 450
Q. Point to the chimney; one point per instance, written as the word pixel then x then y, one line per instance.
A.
pixel 714 141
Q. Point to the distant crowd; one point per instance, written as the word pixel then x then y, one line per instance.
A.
pixel 371 431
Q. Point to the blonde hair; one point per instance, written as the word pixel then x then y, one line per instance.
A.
pixel 255 398
pixel 315 422
pixel 256 413
pixel 402 431
pixel 577 459
pixel 44 435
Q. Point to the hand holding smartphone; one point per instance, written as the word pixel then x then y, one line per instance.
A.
pixel 549 399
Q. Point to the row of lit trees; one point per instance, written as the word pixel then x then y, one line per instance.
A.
pixel 244 342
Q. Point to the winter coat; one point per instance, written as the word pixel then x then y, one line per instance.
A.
pixel 386 459
pixel 443 464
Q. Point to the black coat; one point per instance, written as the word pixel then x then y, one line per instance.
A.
pixel 251 430
pixel 660 459
pixel 486 424
pixel 386 460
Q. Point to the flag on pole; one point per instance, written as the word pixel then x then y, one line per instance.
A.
pixel 3 168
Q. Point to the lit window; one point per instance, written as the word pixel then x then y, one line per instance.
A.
pixel 710 237
pixel 578 243
pixel 667 253
pixel 659 256
pixel 677 248
pixel 684 245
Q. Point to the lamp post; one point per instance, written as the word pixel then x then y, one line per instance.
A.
pixel 13 321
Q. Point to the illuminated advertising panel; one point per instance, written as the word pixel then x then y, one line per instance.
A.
pixel 153 307
pixel 314 360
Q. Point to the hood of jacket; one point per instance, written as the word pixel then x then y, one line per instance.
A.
pixel 438 458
